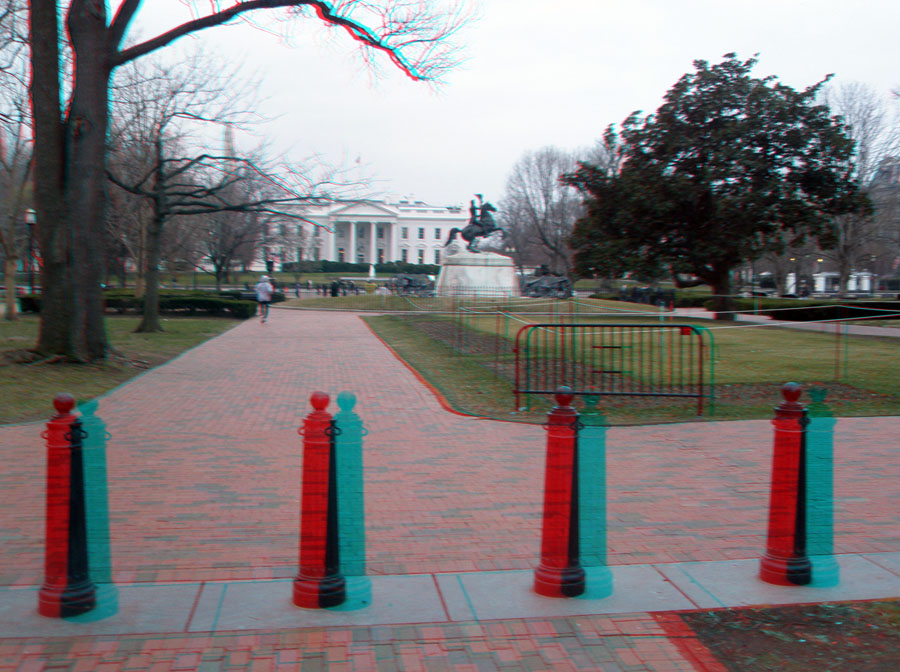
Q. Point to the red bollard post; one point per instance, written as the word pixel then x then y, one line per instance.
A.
pixel 319 582
pixel 786 562
pixel 560 573
pixel 67 589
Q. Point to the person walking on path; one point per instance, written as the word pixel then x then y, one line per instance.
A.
pixel 264 291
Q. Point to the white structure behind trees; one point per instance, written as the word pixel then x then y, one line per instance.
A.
pixel 370 232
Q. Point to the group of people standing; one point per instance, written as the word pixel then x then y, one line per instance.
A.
pixel 265 288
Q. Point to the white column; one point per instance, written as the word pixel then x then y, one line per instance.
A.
pixel 351 254
pixel 389 241
pixel 373 245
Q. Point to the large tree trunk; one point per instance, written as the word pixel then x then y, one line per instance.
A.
pixel 723 305
pixel 86 175
pixel 150 321
pixel 9 278
pixel 844 272
pixel 49 157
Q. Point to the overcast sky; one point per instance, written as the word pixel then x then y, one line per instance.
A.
pixel 537 73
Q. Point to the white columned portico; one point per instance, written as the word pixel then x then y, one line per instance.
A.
pixel 351 254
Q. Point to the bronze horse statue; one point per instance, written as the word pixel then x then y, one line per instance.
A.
pixel 479 226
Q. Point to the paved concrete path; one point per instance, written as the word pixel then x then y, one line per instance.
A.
pixel 203 470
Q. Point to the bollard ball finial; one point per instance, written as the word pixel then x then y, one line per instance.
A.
pixel 319 400
pixel 791 392
pixel 63 403
pixel 563 396
pixel 346 401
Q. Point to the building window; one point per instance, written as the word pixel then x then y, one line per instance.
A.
pixel 421 256
pixel 380 232
pixel 404 232
pixel 282 229
pixel 316 253
pixel 421 233
pixel 437 233
pixel 404 255
pixel 380 255
pixel 437 256
pixel 340 254
pixel 317 230
pixel 299 254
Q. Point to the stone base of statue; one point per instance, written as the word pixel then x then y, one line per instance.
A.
pixel 478 274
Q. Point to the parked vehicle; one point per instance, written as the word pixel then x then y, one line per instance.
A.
pixel 407 284
pixel 544 283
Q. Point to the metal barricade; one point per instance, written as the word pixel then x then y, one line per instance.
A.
pixel 640 360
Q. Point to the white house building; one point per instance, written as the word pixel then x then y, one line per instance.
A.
pixel 371 232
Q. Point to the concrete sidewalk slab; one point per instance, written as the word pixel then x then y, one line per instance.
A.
pixel 500 595
pixel 376 600
pixel 736 583
pixel 890 561
pixel 464 597
pixel 121 610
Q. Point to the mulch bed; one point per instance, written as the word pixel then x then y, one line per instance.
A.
pixel 845 637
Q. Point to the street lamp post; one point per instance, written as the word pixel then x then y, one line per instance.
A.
pixel 29 222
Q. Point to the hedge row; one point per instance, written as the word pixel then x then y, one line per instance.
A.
pixel 681 300
pixel 391 268
pixel 809 311
pixel 170 303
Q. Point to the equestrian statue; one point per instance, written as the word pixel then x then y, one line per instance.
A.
pixel 480 227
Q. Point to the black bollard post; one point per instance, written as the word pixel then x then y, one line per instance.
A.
pixel 560 573
pixel 319 582
pixel 67 589
pixel 786 562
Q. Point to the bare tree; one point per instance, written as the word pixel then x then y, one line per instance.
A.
pixel 15 148
pixel 155 110
pixel 875 129
pixel 70 149
pixel 539 207
pixel 884 191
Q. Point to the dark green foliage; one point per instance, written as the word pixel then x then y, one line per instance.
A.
pixel 390 268
pixel 170 303
pixel 691 300
pixel 247 295
pixel 397 267
pixel 681 300
pixel 729 167
pixel 795 310
pixel 30 303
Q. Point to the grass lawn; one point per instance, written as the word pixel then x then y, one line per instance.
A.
pixel 861 374
pixel 27 390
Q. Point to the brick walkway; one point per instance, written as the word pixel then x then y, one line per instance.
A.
pixel 203 465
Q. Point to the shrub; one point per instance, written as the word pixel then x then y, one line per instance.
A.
pixel 30 303
pixel 170 302
pixel 795 310
pixel 395 267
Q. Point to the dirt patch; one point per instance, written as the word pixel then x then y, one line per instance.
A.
pixel 846 637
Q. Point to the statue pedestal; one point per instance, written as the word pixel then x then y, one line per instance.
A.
pixel 486 274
